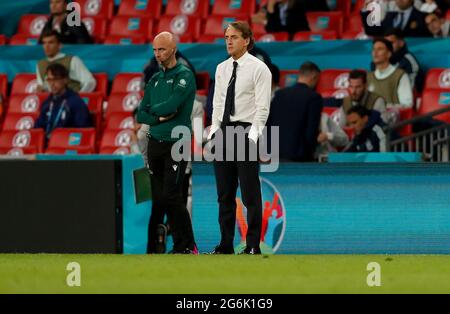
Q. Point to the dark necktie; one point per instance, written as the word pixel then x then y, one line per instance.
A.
pixel 229 100
pixel 400 20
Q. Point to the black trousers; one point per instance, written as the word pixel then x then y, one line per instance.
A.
pixel 230 175
pixel 167 177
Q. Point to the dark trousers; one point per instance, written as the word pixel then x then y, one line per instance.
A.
pixel 166 177
pixel 229 175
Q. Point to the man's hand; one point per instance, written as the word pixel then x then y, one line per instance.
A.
pixel 322 138
pixel 167 118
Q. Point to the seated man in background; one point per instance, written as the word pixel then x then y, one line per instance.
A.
pixel 408 18
pixel 359 95
pixel 296 110
pixel 80 79
pixel 437 25
pixel 58 22
pixel 404 59
pixel 287 15
pixel 388 81
pixel 368 128
pixel 64 108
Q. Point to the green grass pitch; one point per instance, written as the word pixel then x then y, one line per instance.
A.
pixel 178 274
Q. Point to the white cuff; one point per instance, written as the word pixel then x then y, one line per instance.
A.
pixel 254 133
pixel 212 130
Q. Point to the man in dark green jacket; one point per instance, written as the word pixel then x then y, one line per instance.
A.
pixel 167 103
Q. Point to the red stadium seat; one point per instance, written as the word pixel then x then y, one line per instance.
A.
pixel 68 151
pixel 26 103
pixel 23 39
pixel 181 25
pixel 27 139
pixel 19 121
pixel 333 79
pixel 73 138
pixel 438 78
pixel 130 26
pixel 205 38
pixel 102 83
pixel 198 8
pixel 94 101
pixel 100 8
pixel 345 6
pixel 258 29
pixel 241 9
pixel 16 151
pixel 117 138
pixel 115 150
pixel 127 83
pixel 96 27
pixel 3 85
pixel 288 77
pixel 147 8
pixel 270 37
pixel 354 23
pixel 32 24
pixel 335 93
pixel 433 99
pixel 329 110
pixel 215 25
pixel 321 21
pixel 406 114
pixel 315 36
pixel 124 102
pixel 24 83
pixel 120 120
pixel 3 40
pixel 125 40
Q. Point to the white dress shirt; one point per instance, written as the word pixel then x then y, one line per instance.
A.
pixel 404 90
pixel 252 94
pixel 77 72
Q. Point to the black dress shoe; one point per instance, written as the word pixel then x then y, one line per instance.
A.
pixel 251 251
pixel 222 250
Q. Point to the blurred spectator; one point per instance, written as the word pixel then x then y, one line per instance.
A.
pixel 288 15
pixel 331 136
pixel 296 110
pixel 80 78
pixel 153 67
pixel 368 128
pixel 359 96
pixel 58 22
pixel 388 81
pixel 437 25
pixel 404 59
pixel 64 108
pixel 428 6
pixel 410 20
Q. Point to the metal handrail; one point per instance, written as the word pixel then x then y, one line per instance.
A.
pixel 415 119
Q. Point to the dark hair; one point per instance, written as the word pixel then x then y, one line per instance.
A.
pixel 358 75
pixel 397 32
pixel 436 12
pixel 308 68
pixel 58 70
pixel 386 42
pixel 246 32
pixel 359 110
pixel 50 33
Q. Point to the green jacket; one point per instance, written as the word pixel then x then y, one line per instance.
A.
pixel 168 92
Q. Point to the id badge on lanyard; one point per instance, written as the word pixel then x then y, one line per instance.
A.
pixel 51 127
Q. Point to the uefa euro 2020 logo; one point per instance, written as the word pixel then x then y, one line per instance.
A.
pixel 274 219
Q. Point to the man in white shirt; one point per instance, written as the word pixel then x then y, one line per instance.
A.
pixel 241 100
pixel 81 79
pixel 388 81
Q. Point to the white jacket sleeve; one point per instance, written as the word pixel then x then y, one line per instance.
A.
pixel 79 72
